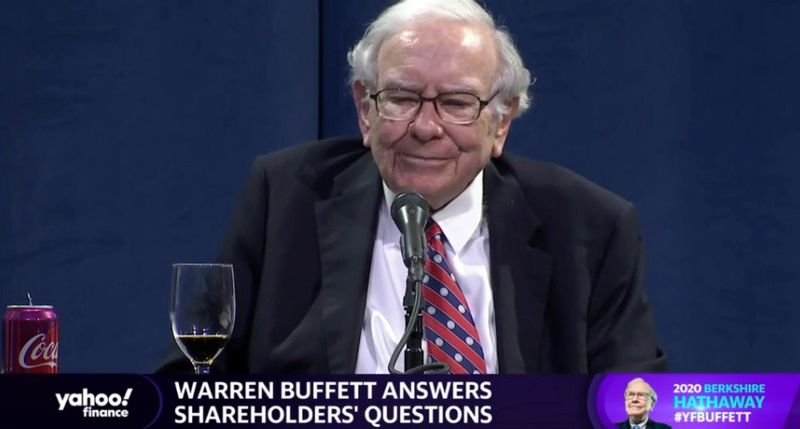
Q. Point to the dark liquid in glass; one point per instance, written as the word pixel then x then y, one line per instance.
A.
pixel 202 348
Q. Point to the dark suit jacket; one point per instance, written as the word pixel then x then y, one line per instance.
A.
pixel 650 425
pixel 566 266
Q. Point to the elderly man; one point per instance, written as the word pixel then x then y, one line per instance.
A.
pixel 640 399
pixel 537 269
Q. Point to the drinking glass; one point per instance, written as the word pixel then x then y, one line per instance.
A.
pixel 203 310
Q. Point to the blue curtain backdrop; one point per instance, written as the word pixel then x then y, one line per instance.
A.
pixel 127 128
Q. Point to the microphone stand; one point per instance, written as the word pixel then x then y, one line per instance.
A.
pixel 412 337
pixel 413 354
pixel 410 212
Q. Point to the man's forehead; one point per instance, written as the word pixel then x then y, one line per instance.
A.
pixel 439 42
pixel 639 385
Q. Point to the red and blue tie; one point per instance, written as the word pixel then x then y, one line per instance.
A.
pixel 449 327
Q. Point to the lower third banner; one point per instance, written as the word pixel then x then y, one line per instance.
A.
pixel 694 401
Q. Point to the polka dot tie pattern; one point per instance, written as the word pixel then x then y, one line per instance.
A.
pixel 449 328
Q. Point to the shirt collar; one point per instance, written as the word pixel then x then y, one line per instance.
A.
pixel 461 217
pixel 642 424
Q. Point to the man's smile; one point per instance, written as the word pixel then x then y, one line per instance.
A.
pixel 425 160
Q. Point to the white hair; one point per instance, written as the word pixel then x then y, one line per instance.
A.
pixel 513 79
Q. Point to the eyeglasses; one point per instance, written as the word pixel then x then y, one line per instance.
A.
pixel 640 395
pixel 458 108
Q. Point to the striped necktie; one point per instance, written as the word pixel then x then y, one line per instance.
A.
pixel 449 327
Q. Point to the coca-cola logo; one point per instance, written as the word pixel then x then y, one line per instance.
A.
pixel 36 350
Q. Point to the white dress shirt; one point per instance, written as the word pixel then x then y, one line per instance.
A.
pixel 467 247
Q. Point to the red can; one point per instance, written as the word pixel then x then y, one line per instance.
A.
pixel 30 339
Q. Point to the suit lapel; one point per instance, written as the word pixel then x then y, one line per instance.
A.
pixel 346 225
pixel 520 273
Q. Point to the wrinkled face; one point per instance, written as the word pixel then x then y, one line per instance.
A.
pixel 425 153
pixel 638 403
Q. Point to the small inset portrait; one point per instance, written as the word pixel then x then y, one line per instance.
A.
pixel 640 399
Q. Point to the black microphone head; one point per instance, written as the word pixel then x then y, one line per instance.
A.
pixel 409 207
pixel 410 214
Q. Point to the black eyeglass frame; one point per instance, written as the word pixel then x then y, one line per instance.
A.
pixel 481 103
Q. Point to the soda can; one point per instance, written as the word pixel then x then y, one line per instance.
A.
pixel 30 339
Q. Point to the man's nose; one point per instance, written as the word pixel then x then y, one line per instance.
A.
pixel 427 124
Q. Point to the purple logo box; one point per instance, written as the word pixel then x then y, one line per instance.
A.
pixel 703 401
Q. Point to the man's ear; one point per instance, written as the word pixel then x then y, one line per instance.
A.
pixel 363 106
pixel 503 126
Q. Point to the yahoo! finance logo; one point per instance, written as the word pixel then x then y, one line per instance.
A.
pixel 96 404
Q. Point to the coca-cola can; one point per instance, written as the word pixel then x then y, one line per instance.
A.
pixel 30 339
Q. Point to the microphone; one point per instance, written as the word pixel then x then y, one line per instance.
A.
pixel 410 214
